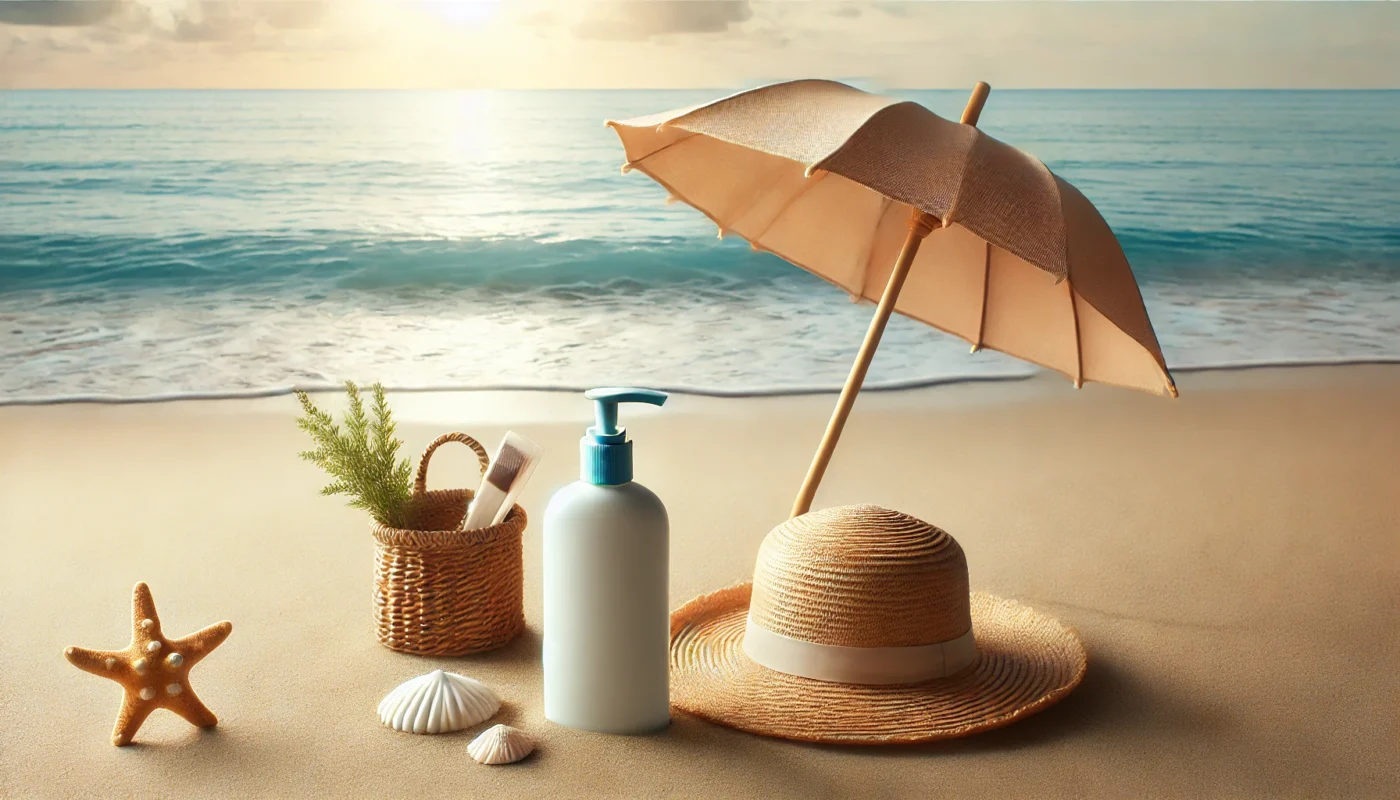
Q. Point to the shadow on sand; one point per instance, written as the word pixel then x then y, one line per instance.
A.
pixel 1111 700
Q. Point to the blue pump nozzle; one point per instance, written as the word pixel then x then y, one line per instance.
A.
pixel 605 453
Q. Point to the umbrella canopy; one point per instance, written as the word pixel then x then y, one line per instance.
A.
pixel 932 218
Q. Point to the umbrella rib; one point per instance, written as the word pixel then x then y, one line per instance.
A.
pixel 986 285
pixel 633 164
pixel 885 204
pixel 807 187
pixel 1078 341
pixel 1069 284
pixel 756 199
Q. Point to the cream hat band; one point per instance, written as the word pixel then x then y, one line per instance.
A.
pixel 881 666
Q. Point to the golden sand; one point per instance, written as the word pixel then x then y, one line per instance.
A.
pixel 1231 560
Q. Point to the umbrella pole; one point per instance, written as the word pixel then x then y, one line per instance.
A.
pixel 920 226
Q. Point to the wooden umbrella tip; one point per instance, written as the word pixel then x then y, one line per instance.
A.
pixel 973 111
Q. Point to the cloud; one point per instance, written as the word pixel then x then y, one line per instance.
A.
pixel 633 20
pixel 701 43
pixel 291 14
pixel 894 9
pixel 229 21
pixel 186 21
pixel 57 13
pixel 212 22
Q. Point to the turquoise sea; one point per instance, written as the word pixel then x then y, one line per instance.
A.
pixel 156 242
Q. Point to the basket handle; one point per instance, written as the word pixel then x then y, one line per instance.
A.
pixel 420 484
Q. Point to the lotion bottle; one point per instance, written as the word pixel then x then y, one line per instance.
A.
pixel 606 588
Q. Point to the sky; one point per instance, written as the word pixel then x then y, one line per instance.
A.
pixel 508 44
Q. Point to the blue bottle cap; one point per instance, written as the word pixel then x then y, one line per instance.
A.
pixel 605 454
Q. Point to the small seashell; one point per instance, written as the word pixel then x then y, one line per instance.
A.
pixel 438 702
pixel 501 744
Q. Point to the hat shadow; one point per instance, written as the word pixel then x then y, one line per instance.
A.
pixel 1110 698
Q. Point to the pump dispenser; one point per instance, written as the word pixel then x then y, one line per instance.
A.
pixel 605 454
pixel 606 586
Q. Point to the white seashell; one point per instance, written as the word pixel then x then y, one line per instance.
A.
pixel 501 744
pixel 438 702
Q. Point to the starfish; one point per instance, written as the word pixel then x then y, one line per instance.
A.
pixel 153 670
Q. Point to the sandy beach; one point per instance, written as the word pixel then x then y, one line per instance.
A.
pixel 1231 560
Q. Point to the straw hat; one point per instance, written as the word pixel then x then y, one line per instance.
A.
pixel 858 628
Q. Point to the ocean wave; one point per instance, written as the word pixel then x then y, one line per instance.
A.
pixel 209 242
pixel 336 261
pixel 341 260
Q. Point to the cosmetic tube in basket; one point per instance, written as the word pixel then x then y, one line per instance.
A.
pixel 510 469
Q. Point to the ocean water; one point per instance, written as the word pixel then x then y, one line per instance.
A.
pixel 211 242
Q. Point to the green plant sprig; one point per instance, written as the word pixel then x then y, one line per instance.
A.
pixel 363 458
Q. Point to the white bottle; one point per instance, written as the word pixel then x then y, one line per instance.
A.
pixel 606 588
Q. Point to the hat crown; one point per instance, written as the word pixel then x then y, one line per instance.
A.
pixel 861 576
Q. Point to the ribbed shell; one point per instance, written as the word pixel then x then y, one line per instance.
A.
pixel 439 702
pixel 861 576
pixel 501 744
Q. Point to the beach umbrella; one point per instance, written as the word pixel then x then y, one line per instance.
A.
pixel 928 217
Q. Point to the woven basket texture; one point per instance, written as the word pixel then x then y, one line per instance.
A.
pixel 441 591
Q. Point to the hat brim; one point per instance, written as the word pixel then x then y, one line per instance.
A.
pixel 1026 662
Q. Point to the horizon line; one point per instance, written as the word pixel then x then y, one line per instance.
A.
pixel 686 88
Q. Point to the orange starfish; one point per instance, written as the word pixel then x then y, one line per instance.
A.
pixel 153 670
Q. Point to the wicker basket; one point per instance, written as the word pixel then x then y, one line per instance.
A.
pixel 440 591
